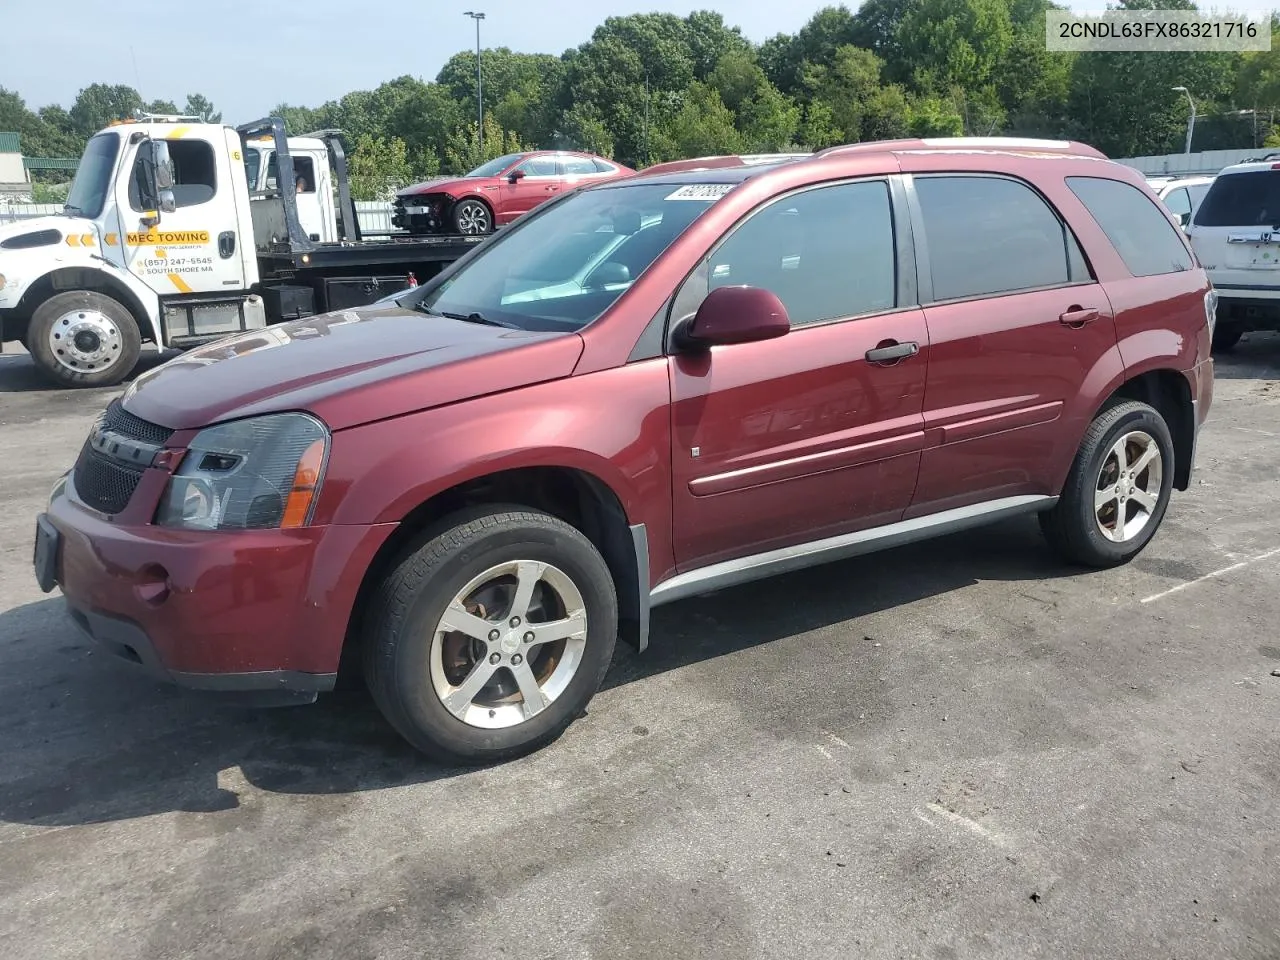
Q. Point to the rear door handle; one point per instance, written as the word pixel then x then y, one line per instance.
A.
pixel 1078 316
pixel 890 351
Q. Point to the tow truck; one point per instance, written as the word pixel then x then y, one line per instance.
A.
pixel 180 232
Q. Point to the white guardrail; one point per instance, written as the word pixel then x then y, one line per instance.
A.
pixel 374 215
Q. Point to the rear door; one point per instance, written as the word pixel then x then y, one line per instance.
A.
pixel 1016 322
pixel 1236 233
pixel 790 440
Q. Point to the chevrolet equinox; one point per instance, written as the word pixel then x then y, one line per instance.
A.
pixel 643 390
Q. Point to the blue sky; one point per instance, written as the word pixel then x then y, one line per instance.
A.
pixel 246 62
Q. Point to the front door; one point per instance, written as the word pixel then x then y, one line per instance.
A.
pixel 795 439
pixel 194 249
pixel 541 182
pixel 1016 323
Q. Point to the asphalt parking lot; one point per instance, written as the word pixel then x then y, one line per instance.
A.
pixel 961 749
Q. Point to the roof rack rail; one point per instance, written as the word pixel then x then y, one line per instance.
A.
pixel 727 160
pixel 969 143
pixel 1265 158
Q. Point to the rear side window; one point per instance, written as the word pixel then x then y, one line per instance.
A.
pixel 992 235
pixel 1242 200
pixel 1147 242
pixel 1178 202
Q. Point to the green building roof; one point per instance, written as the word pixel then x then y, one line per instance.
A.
pixel 9 143
pixel 50 163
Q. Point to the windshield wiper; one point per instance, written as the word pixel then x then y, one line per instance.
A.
pixel 477 317
pixel 72 211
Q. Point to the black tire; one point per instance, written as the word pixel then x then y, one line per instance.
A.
pixel 400 634
pixel 1072 527
pixel 472 218
pixel 1226 336
pixel 121 339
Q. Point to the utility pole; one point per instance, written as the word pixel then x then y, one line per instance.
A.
pixel 477 17
pixel 647 157
pixel 1191 121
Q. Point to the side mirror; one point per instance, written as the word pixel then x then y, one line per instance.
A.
pixel 731 315
pixel 609 272
pixel 1184 219
pixel 515 175
pixel 157 181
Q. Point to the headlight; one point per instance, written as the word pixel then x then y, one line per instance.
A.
pixel 253 474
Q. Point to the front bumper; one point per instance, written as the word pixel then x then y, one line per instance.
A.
pixel 260 611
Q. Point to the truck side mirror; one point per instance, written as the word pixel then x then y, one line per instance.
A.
pixel 157 180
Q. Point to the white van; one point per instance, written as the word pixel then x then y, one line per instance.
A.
pixel 1182 195
pixel 1236 236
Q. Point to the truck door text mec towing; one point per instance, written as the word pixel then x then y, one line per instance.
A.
pixel 179 232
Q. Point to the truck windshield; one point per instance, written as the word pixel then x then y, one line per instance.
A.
pixel 92 183
pixel 565 266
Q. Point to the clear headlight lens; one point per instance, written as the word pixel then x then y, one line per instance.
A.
pixel 255 474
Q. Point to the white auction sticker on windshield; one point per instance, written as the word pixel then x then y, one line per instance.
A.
pixel 701 191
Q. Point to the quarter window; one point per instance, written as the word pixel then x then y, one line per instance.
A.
pixel 992 235
pixel 827 253
pixel 1147 242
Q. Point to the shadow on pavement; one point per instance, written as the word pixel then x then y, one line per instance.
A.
pixel 86 739
pixel 19 375
pixel 1255 357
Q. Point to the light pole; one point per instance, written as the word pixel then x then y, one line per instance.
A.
pixel 1191 121
pixel 477 17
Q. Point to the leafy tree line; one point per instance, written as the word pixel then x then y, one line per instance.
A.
pixel 652 87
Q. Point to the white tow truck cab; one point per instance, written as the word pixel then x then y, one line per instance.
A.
pixel 180 232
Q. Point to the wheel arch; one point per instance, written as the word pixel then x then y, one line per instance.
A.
pixel 572 494
pixel 1169 392
pixel 142 305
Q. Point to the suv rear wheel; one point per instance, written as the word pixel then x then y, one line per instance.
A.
pixel 1118 489
pixel 486 642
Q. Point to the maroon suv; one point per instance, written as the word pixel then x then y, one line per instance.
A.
pixel 496 193
pixel 642 391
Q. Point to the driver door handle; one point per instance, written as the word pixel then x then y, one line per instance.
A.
pixel 1076 317
pixel 889 351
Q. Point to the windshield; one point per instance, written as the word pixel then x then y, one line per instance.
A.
pixel 568 264
pixel 88 193
pixel 1242 200
pixel 495 167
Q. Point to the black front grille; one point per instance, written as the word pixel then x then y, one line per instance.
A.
pixel 117 419
pixel 103 483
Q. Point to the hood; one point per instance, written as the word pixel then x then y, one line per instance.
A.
pixel 37 225
pixel 446 185
pixel 348 368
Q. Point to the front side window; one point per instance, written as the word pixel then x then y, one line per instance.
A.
pixel 1147 242
pixel 566 264
pixel 828 253
pixel 540 167
pixel 194 174
pixel 92 183
pixel 1178 202
pixel 991 235
pixel 252 166
pixel 494 167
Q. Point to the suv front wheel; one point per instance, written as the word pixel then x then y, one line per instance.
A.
pixel 487 641
pixel 1118 489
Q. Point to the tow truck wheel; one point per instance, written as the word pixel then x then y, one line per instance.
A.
pixel 472 218
pixel 84 339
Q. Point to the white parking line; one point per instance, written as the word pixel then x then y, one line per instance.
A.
pixel 1217 573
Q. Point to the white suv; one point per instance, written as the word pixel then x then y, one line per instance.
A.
pixel 1182 195
pixel 1236 236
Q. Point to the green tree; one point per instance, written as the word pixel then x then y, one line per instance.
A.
pixel 198 105
pixel 583 128
pixel 462 149
pixel 702 127
pixel 767 120
pixel 379 167
pixel 162 107
pixel 100 103
pixel 859 107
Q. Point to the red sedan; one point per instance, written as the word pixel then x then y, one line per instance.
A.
pixel 497 192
